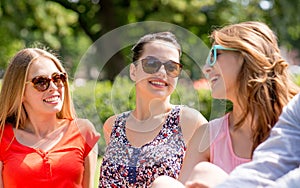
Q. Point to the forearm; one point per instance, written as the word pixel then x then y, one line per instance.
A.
pixel 90 164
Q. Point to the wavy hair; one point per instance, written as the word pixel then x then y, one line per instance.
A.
pixel 13 87
pixel 264 84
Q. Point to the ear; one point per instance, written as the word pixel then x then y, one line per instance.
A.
pixel 133 72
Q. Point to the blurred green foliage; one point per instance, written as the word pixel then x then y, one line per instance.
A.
pixel 70 27
pixel 40 23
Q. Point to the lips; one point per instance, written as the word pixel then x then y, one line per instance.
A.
pixel 52 99
pixel 213 79
pixel 159 83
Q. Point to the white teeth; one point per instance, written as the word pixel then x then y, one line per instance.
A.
pixel 52 99
pixel 158 83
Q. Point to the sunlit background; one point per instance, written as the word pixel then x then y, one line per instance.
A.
pixel 70 27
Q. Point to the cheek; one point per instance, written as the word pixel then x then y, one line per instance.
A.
pixel 63 93
pixel 231 81
pixel 28 95
pixel 140 75
pixel 173 83
pixel 31 100
pixel 230 70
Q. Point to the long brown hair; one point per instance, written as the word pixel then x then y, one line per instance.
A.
pixel 263 83
pixel 13 87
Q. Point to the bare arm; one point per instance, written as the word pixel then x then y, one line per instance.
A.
pixel 91 136
pixel 193 126
pixel 197 151
pixel 90 164
pixel 190 120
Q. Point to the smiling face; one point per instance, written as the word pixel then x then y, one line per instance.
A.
pixel 158 84
pixel 49 101
pixel 223 76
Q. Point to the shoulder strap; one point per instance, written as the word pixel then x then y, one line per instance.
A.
pixel 120 123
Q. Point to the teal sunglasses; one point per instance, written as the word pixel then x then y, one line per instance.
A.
pixel 212 56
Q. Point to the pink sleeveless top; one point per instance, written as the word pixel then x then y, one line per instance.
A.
pixel 221 151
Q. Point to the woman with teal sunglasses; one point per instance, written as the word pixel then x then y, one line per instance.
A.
pixel 244 66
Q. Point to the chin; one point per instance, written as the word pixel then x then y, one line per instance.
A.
pixel 58 108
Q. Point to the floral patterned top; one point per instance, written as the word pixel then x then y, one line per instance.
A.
pixel 126 166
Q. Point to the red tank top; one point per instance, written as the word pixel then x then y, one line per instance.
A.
pixel 61 166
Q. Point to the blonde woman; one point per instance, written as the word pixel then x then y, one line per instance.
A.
pixel 43 144
pixel 244 66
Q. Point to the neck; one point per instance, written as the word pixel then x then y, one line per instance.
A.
pixel 41 127
pixel 235 116
pixel 149 109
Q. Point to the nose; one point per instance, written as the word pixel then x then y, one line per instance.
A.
pixel 206 69
pixel 162 70
pixel 52 86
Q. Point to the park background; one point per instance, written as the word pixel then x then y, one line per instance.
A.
pixel 71 27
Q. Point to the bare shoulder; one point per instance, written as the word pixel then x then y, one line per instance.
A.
pixel 107 127
pixel 191 114
pixel 108 124
pixel 87 131
pixel 110 121
pixel 190 120
pixel 85 126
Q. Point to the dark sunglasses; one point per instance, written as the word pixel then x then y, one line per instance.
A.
pixel 213 54
pixel 42 83
pixel 152 65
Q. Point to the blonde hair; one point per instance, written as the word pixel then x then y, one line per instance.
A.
pixel 13 87
pixel 263 83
